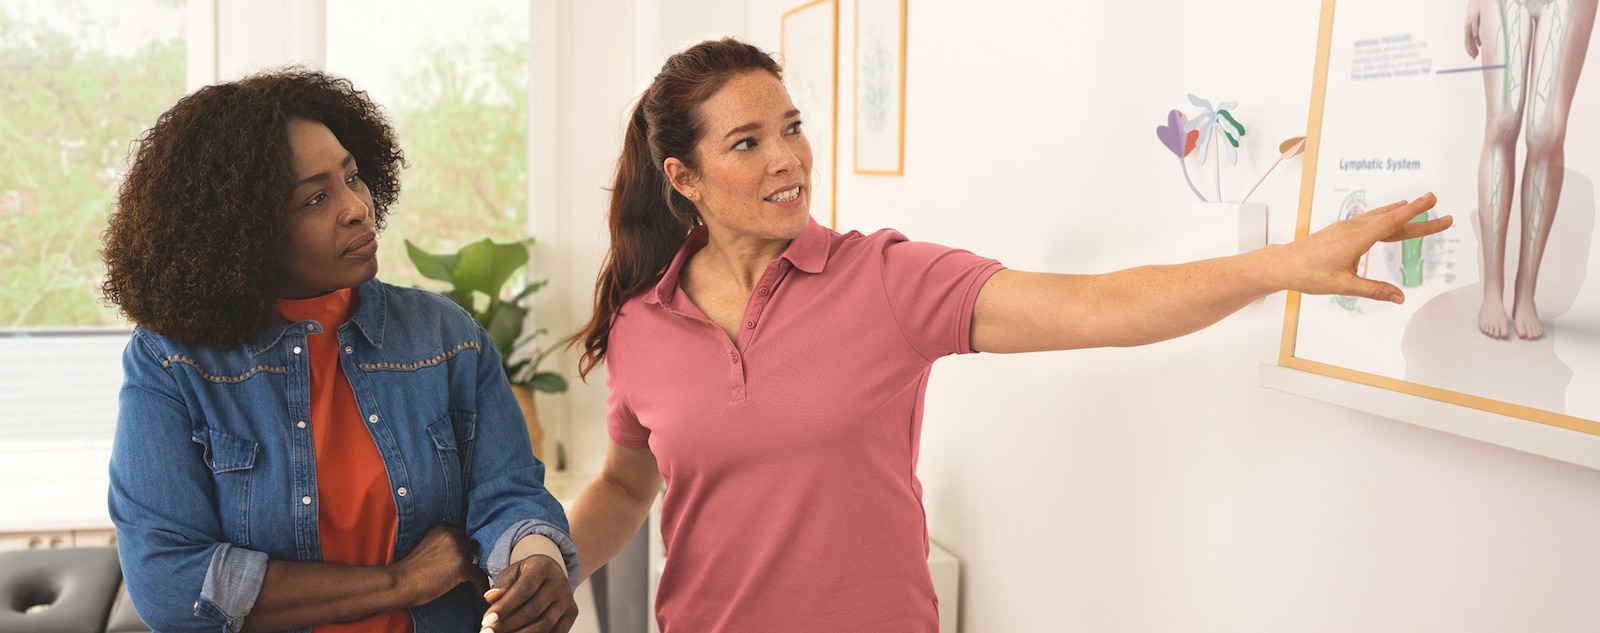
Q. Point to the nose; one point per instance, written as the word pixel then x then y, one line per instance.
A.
pixel 786 158
pixel 355 210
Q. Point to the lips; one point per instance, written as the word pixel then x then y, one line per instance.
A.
pixel 785 195
pixel 364 246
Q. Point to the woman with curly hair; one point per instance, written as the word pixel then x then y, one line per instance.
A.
pixel 300 446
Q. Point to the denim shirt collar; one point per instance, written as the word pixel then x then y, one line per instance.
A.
pixel 368 320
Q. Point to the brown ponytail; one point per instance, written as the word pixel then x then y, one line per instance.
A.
pixel 648 218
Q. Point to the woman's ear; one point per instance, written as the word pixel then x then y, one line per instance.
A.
pixel 682 178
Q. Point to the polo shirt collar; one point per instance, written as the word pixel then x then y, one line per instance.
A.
pixel 808 253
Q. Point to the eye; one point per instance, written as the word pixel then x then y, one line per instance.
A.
pixel 316 199
pixel 794 128
pixel 353 179
pixel 745 144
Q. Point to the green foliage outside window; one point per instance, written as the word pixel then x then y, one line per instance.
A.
pixel 464 126
pixel 67 114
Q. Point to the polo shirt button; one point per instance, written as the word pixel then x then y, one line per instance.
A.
pixel 306 500
pixel 301 424
pixel 373 418
pixel 734 356
pixel 763 291
pixel 749 324
pixel 296 349
pixel 401 491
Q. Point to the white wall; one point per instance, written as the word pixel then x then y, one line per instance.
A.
pixel 1161 488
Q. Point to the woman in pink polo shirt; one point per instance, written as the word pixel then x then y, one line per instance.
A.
pixel 771 371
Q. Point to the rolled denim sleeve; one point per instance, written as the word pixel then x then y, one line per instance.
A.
pixel 507 499
pixel 180 572
pixel 500 556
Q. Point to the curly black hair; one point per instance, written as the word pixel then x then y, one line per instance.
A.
pixel 191 248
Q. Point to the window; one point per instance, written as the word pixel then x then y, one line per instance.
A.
pixel 79 80
pixel 453 78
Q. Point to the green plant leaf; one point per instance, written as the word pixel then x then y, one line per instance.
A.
pixel 548 382
pixel 505 326
pixel 1229 116
pixel 486 266
pixel 528 290
pixel 437 267
pixel 463 299
pixel 514 371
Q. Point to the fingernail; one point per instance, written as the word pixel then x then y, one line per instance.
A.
pixel 489 620
pixel 489 595
pixel 1397 299
pixel 486 631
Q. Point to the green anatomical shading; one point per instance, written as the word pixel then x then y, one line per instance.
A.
pixel 1541 111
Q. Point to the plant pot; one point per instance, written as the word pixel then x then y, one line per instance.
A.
pixel 530 415
pixel 1219 229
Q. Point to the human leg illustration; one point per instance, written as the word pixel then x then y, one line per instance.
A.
pixel 1560 41
pixel 1504 32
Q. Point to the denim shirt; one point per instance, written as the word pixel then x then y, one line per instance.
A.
pixel 213 471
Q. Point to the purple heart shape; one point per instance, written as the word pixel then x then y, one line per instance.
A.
pixel 1172 134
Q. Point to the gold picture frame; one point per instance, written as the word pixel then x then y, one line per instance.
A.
pixel 879 122
pixel 1397 110
pixel 809 47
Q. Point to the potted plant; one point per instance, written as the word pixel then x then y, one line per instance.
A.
pixel 478 274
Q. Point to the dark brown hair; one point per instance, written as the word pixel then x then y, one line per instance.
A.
pixel 648 218
pixel 191 249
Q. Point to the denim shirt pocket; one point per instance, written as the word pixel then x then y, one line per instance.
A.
pixel 452 437
pixel 232 461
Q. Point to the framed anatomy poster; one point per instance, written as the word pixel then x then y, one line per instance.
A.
pixel 1494 105
pixel 810 56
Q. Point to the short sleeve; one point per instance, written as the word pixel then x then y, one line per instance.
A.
pixel 621 423
pixel 931 291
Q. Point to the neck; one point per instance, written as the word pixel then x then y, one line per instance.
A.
pixel 741 263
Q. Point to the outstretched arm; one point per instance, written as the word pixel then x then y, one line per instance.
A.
pixel 1026 312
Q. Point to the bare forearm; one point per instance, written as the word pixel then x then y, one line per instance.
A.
pixel 604 519
pixel 1154 303
pixel 1025 312
pixel 295 595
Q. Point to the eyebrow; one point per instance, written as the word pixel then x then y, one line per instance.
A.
pixel 753 124
pixel 348 158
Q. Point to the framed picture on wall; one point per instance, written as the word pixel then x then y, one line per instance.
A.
pixel 810 52
pixel 1499 337
pixel 880 90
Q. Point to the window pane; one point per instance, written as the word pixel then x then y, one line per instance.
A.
pixel 453 78
pixel 81 80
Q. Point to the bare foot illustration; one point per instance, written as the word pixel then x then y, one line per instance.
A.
pixel 1492 318
pixel 1526 318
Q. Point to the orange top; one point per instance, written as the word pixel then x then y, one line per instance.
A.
pixel 356 516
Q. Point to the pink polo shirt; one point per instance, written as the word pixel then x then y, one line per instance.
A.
pixel 790 454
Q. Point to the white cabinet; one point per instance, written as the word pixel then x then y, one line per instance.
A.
pixel 57 539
